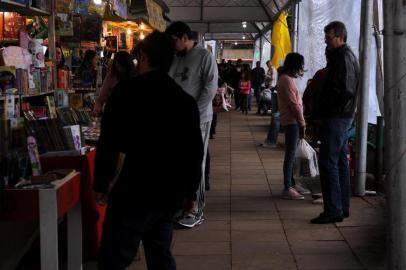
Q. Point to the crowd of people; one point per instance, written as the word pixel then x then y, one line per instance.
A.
pixel 160 184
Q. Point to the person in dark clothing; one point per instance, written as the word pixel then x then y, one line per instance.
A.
pixel 257 79
pixel 235 80
pixel 87 71
pixel 338 100
pixel 156 180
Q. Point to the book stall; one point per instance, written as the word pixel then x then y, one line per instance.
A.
pixel 46 123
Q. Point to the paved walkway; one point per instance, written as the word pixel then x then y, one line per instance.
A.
pixel 247 226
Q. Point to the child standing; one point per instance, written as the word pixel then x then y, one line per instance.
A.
pixel 245 89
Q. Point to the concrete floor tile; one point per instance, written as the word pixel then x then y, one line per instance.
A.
pixel 202 248
pixel 265 192
pixel 327 262
pixel 246 248
pixel 211 262
pixel 196 235
pixel 264 262
pixel 255 236
pixel 320 247
pixel 217 215
pixel 324 234
pixel 256 226
pixel 257 215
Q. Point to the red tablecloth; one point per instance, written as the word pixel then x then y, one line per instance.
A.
pixel 92 213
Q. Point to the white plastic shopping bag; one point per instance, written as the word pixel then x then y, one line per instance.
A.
pixel 306 164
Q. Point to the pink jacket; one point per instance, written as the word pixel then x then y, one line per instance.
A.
pixel 108 84
pixel 289 102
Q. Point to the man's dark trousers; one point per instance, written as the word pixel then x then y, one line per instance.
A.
pixel 334 168
pixel 123 230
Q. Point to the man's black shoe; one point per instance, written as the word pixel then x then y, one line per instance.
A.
pixel 324 219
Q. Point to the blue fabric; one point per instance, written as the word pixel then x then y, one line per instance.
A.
pixel 273 131
pixel 291 139
pixel 334 168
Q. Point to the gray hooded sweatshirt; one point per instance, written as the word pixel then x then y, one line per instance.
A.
pixel 197 74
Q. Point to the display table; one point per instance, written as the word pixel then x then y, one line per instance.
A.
pixel 92 213
pixel 46 206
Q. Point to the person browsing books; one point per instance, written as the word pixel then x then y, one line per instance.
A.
pixel 156 180
pixel 122 68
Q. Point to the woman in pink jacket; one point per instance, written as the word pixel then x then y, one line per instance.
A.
pixel 291 117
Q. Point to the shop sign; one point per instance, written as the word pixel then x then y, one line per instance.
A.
pixel 120 8
pixel 155 17
pixel 64 24
pixel 65 6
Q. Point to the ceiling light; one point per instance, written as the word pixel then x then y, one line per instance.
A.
pixel 129 31
pixel 142 26
pixel 243 37
pixel 142 36
pixel 235 43
pixel 244 24
pixel 97 2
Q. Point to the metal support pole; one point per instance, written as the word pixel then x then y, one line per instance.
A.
pixel 295 30
pixel 379 152
pixel 363 99
pixel 395 126
pixel 51 39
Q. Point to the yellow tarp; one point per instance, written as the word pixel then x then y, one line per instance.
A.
pixel 280 40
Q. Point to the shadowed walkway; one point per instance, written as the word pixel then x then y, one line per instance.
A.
pixel 247 226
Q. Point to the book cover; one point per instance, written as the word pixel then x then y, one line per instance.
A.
pixel 76 100
pixel 7 78
pixel 51 107
pixel 9 107
pixel 34 156
pixel 22 81
pixel 61 98
pixel 74 131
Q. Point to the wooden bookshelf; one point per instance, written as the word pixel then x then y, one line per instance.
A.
pixel 23 9
pixel 4 97
pixel 37 95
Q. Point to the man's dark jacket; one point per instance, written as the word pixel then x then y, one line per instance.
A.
pixel 339 95
pixel 157 126
pixel 257 77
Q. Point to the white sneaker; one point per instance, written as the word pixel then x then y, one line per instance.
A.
pixel 318 201
pixel 299 188
pixel 190 221
pixel 267 144
pixel 292 194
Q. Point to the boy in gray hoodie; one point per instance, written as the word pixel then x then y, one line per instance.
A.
pixel 195 69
